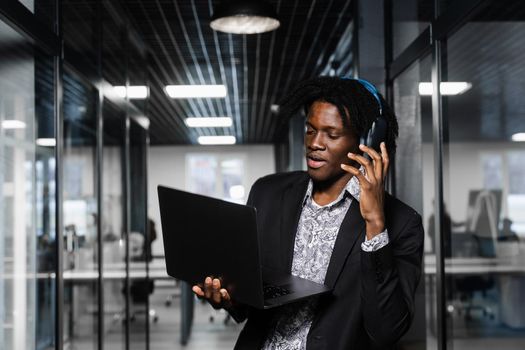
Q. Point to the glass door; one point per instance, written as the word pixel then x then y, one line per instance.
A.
pixel 482 90
pixel 27 194
pixel 113 230
pixel 80 212
pixel 414 185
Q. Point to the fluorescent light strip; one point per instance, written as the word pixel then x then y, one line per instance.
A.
pixel 216 140
pixel 46 142
pixel 195 91
pixel 13 124
pixel 143 121
pixel 447 88
pixel 518 137
pixel 208 122
pixel 133 92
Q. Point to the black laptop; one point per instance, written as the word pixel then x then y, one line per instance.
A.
pixel 205 236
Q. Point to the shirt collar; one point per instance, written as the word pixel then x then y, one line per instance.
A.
pixel 352 188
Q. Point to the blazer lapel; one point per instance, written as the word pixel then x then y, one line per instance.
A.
pixel 352 228
pixel 291 207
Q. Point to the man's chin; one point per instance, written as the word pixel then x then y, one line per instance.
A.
pixel 318 175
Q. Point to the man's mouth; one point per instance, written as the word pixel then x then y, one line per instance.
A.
pixel 315 162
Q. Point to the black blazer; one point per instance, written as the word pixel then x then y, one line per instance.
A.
pixel 372 303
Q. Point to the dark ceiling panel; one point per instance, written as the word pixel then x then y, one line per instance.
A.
pixel 257 69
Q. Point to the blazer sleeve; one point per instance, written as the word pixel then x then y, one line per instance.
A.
pixel 390 277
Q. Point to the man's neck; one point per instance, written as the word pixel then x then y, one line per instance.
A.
pixel 327 191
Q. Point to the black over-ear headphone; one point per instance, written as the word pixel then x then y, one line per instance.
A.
pixel 377 131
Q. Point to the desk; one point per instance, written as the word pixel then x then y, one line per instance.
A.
pixel 511 278
pixel 476 265
pixel 137 271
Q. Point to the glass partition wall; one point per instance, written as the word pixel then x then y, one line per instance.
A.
pixel 414 185
pixel 113 228
pixel 457 89
pixel 66 171
pixel 27 194
pixel 484 177
pixel 80 169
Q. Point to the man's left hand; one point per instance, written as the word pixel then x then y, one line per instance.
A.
pixel 372 195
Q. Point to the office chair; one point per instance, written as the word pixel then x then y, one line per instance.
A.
pixel 471 245
pixel 140 290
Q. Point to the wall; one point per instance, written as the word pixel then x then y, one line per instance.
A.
pixel 167 167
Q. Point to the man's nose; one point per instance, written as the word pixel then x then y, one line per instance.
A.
pixel 317 142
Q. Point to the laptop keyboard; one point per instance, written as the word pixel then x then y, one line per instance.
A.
pixel 270 291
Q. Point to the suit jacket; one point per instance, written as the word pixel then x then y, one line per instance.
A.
pixel 372 302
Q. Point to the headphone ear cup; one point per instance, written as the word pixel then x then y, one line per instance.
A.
pixel 375 135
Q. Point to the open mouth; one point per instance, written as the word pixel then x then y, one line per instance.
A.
pixel 315 162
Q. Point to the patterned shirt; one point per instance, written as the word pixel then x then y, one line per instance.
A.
pixel 314 242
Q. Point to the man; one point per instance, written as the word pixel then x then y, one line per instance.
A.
pixel 335 225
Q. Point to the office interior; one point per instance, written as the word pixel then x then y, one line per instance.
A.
pixel 89 129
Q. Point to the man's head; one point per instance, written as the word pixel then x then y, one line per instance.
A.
pixel 338 111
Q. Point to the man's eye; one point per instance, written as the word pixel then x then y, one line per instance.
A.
pixel 333 136
pixel 309 132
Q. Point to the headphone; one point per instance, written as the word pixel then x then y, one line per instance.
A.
pixel 377 131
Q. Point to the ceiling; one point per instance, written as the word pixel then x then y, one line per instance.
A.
pixel 257 69
pixel 170 42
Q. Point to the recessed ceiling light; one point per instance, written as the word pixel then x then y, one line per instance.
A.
pixel 216 140
pixel 244 17
pixel 133 91
pixel 13 124
pixel 446 88
pixel 518 137
pixel 46 142
pixel 196 91
pixel 208 122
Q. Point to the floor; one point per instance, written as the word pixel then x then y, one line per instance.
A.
pixel 165 334
pixel 479 333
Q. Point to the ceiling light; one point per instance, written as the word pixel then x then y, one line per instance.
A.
pixel 446 88
pixel 133 92
pixel 13 124
pixel 195 91
pixel 518 137
pixel 209 122
pixel 143 121
pixel 46 142
pixel 244 17
pixel 216 140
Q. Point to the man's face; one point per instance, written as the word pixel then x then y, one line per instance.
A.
pixel 327 142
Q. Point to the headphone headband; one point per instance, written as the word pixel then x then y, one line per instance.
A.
pixel 371 88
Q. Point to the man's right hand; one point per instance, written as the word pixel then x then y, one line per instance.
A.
pixel 211 291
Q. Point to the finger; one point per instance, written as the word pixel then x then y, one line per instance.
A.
pixel 198 291
pixel 225 295
pixel 363 181
pixel 208 287
pixel 369 170
pixel 386 160
pixel 226 299
pixel 377 160
pixel 216 295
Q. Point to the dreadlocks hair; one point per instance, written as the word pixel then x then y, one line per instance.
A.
pixel 357 106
